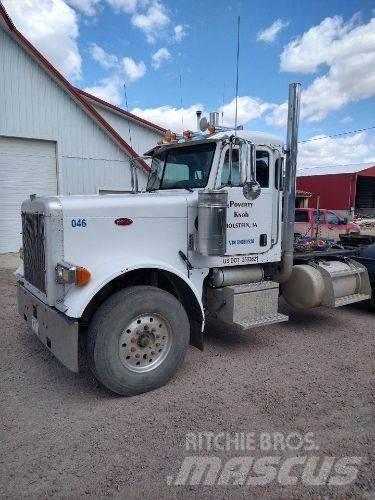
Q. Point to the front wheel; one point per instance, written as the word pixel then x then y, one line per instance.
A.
pixel 137 340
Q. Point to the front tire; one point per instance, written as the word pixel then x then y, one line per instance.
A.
pixel 137 340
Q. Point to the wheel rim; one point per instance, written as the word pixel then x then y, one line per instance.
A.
pixel 145 342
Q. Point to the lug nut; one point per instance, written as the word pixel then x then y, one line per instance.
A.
pixel 133 339
pixel 133 349
pixel 137 355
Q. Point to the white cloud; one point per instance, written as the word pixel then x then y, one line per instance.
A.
pixel 87 7
pixel 102 57
pixel 248 109
pixel 325 151
pixel 170 117
pixel 348 50
pixel 52 26
pixel 179 32
pixel 269 34
pixel 108 89
pixel 133 70
pixel 153 21
pixel 346 119
pixel 128 6
pixel 159 57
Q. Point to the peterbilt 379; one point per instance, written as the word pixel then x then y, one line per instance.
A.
pixel 137 273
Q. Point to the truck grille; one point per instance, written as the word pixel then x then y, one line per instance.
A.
pixel 33 249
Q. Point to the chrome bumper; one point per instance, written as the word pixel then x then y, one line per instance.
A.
pixel 55 330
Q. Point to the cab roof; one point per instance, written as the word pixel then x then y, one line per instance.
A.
pixel 251 135
pixel 258 138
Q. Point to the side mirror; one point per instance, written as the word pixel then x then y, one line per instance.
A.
pixel 251 190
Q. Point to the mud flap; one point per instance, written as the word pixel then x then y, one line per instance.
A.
pixel 196 335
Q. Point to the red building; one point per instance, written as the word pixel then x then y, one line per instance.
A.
pixel 348 188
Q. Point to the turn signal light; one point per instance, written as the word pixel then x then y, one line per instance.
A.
pixel 211 129
pixel 82 276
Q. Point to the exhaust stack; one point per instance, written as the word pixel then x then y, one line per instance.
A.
pixel 285 270
pixel 199 114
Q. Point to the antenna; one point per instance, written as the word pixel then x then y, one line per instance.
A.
pixel 182 112
pixel 127 109
pixel 222 111
pixel 238 59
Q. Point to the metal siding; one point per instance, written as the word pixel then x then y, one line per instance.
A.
pixel 27 166
pixel 33 105
pixel 336 191
pixel 142 139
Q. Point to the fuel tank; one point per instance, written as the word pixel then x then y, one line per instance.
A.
pixel 330 283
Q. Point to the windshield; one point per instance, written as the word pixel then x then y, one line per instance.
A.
pixel 182 168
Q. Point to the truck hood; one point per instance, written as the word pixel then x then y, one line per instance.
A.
pixel 141 205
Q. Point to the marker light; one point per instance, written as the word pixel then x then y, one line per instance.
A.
pixel 211 129
pixel 186 134
pixel 82 276
pixel 70 274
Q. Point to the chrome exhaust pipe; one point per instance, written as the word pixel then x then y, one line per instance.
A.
pixel 285 268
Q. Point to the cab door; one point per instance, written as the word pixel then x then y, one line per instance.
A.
pixel 250 224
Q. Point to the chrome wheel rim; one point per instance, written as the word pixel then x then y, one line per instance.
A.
pixel 145 342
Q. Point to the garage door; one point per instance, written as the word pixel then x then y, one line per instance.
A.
pixel 26 166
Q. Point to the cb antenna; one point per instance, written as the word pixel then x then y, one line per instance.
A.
pixel 182 109
pixel 127 109
pixel 238 59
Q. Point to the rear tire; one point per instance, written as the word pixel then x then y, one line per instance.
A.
pixel 137 340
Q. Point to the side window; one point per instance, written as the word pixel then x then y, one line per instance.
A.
pixel 332 218
pixel 301 216
pixel 263 168
pixel 235 169
pixel 318 216
pixel 157 167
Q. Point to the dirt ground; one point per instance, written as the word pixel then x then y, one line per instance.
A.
pixel 62 436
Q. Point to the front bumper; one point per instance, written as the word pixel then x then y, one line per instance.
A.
pixel 55 330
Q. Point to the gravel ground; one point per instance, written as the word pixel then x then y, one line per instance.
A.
pixel 65 437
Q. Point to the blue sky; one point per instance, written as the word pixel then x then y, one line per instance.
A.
pixel 328 46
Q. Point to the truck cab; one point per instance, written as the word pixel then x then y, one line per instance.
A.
pixel 137 273
pixel 322 223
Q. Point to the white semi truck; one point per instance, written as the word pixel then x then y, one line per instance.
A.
pixel 137 273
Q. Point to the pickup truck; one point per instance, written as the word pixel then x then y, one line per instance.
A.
pixel 322 224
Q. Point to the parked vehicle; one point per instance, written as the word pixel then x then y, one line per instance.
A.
pixel 142 270
pixel 367 258
pixel 322 224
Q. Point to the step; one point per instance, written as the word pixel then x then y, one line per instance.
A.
pixel 277 318
pixel 351 299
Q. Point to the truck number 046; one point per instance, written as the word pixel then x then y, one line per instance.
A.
pixel 78 223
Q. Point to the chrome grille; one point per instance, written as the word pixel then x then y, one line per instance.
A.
pixel 33 249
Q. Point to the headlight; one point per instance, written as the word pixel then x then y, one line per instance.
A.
pixel 71 274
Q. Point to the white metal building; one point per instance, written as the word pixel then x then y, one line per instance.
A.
pixel 54 138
